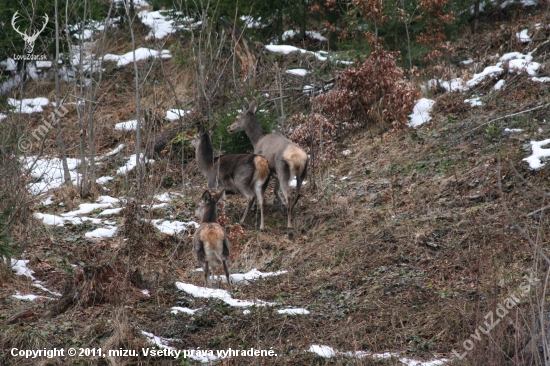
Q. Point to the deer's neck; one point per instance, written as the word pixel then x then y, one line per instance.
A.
pixel 205 155
pixel 210 215
pixel 253 130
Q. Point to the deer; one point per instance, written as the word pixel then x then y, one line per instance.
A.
pixel 246 174
pixel 29 40
pixel 210 244
pixel 286 159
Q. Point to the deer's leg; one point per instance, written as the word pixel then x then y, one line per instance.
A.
pixel 205 269
pixel 259 190
pixel 226 272
pixel 250 196
pixel 277 191
pixel 285 187
pixel 224 197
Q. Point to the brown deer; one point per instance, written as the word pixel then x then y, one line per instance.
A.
pixel 210 244
pixel 286 159
pixel 247 174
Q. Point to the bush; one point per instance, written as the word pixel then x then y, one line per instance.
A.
pixel 237 143
pixel 6 249
pixel 373 91
pixel 315 132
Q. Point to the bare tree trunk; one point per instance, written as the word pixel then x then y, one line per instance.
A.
pixel 91 107
pixel 60 141
pixel 476 17
pixel 281 95
pixel 139 165
pixel 303 19
pixel 407 24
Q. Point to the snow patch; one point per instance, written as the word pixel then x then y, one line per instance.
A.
pixel 30 297
pixel 421 112
pixel 172 227
pixel 103 180
pixel 131 163
pixel 52 220
pixel 253 274
pixel 474 102
pixel 452 85
pixel 48 173
pixel 489 71
pixel 29 105
pixel 520 66
pixel 20 268
pixel 299 72
pixel 160 25
pixel 141 54
pixel 48 201
pixel 107 232
pixel 178 309
pixel 174 114
pixel 296 311
pixel 126 126
pixel 223 295
pixel 158 341
pixel 543 79
pixel 523 36
pixel 167 196
pixel 534 160
pixel 85 208
pixel 289 34
pixel 107 199
pixel 110 211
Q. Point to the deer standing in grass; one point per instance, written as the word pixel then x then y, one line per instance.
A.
pixel 286 159
pixel 210 244
pixel 247 174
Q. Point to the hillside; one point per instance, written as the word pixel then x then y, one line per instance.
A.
pixel 405 239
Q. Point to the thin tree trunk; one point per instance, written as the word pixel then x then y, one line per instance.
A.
pixel 139 166
pixel 60 141
pixel 303 20
pixel 476 17
pixel 91 108
pixel 281 95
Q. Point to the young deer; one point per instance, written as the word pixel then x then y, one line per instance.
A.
pixel 286 159
pixel 247 174
pixel 210 244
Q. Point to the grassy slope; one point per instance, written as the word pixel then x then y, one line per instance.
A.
pixel 408 255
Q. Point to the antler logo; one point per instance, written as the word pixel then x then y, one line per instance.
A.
pixel 29 40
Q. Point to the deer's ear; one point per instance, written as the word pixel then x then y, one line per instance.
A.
pixel 201 129
pixel 245 105
pixel 212 128
pixel 219 195
pixel 206 196
pixel 253 106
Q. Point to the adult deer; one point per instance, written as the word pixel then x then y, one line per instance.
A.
pixel 247 174
pixel 210 245
pixel 286 159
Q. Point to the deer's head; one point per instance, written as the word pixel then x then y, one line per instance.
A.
pixel 29 39
pixel 240 121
